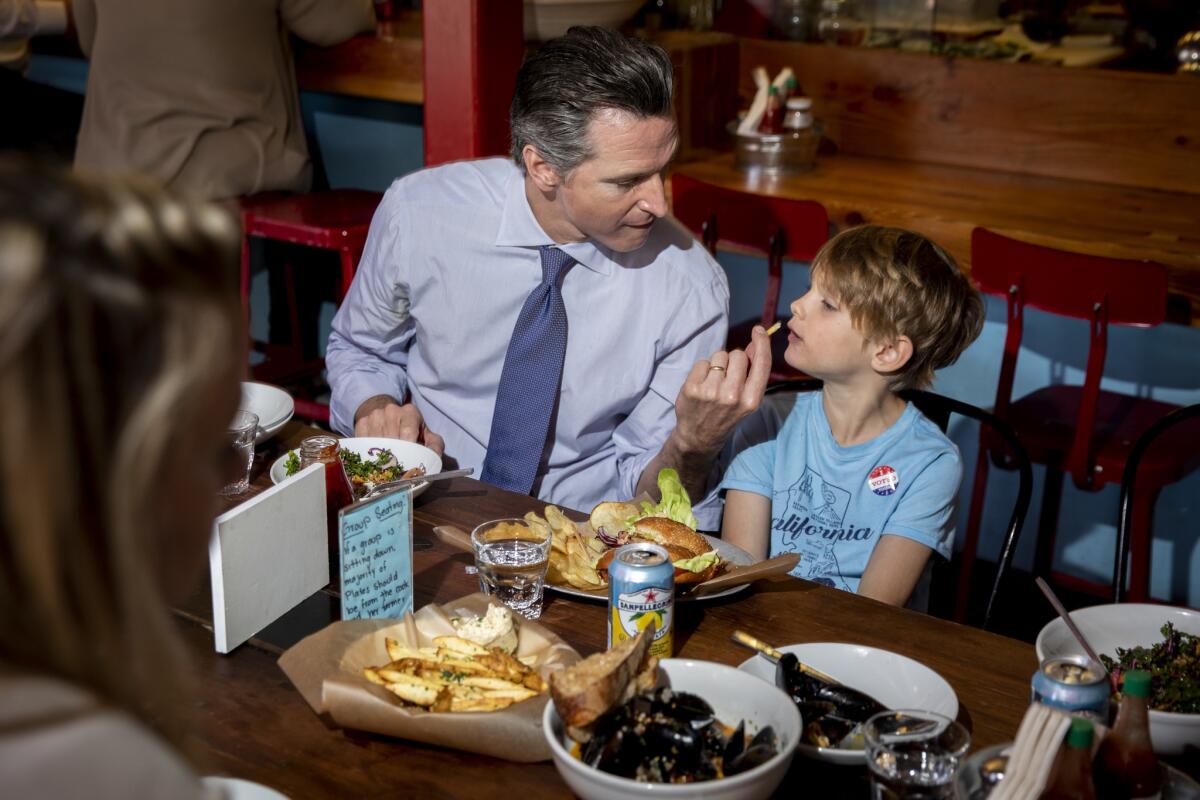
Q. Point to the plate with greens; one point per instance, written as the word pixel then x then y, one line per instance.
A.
pixel 369 460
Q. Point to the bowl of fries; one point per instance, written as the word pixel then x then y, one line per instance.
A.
pixel 417 679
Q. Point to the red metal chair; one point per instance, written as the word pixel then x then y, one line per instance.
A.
pixel 775 226
pixel 335 220
pixel 1083 430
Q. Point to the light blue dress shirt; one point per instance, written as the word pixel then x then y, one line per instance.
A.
pixel 450 258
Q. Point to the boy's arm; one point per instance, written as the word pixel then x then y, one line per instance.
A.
pixel 747 522
pixel 893 570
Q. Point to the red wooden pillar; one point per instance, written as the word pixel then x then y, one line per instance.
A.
pixel 473 49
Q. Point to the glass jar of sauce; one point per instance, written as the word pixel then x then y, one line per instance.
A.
pixel 338 494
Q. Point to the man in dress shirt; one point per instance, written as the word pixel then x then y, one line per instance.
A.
pixel 455 254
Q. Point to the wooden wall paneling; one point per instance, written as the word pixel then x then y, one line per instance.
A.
pixel 1126 128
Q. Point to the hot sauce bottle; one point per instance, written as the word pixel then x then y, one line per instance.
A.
pixel 338 494
pixel 1071 777
pixel 772 121
pixel 1125 764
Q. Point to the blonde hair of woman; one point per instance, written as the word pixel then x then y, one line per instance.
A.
pixel 120 339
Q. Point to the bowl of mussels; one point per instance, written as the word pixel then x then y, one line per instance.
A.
pixel 624 724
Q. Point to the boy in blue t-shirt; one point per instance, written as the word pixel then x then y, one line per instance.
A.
pixel 858 481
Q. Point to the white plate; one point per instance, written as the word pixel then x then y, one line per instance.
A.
pixel 409 454
pixel 1108 627
pixel 238 789
pixel 728 552
pixel 894 680
pixel 273 406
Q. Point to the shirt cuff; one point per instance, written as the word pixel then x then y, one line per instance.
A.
pixel 351 392
pixel 51 17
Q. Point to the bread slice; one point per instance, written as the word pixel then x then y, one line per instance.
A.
pixel 587 690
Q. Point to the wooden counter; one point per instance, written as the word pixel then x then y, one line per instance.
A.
pixel 384 66
pixel 947 202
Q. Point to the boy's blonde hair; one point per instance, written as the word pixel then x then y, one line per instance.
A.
pixel 894 283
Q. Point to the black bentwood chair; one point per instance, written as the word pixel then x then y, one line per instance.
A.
pixel 1128 485
pixel 939 408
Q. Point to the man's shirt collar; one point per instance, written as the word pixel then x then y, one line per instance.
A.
pixel 520 228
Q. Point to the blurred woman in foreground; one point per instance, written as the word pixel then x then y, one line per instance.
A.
pixel 119 345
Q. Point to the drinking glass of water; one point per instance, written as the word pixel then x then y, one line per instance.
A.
pixel 243 429
pixel 511 559
pixel 913 754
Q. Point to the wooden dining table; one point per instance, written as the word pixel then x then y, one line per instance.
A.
pixel 249 722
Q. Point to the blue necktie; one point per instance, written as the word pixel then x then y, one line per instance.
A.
pixel 529 382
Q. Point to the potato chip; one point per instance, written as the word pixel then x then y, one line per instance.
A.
pixel 558 520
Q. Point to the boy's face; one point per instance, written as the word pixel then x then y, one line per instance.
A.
pixel 822 341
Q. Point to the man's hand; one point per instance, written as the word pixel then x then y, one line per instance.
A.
pixel 383 416
pixel 719 393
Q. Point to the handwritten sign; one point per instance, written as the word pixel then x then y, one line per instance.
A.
pixel 376 556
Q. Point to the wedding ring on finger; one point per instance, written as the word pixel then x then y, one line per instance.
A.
pixel 716 368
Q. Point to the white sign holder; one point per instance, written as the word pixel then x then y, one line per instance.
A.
pixel 267 555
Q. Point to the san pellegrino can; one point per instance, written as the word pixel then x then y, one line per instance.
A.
pixel 1074 684
pixel 641 590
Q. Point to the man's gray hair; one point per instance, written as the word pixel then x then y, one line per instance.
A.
pixel 574 76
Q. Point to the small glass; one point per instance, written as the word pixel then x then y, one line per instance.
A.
pixel 913 754
pixel 243 429
pixel 511 558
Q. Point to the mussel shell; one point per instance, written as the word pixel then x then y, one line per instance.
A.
pixel 750 758
pixel 766 736
pixel 827 731
pixel 674 741
pixel 683 707
pixel 851 703
pixel 620 753
pixel 737 743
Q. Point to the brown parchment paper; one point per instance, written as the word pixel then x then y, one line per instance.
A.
pixel 327 670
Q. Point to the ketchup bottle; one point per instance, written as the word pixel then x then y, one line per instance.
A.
pixel 338 494
pixel 1126 767
pixel 1071 777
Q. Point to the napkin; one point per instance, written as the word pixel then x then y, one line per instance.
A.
pixel 327 667
pixel 1039 738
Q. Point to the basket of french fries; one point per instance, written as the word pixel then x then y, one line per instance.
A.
pixel 449 675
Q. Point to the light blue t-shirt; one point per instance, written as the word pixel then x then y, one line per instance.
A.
pixel 832 503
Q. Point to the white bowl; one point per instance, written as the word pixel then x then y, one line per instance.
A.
pixel 273 406
pixel 238 789
pixel 1128 625
pixel 546 19
pixel 735 696
pixel 409 454
pixel 894 680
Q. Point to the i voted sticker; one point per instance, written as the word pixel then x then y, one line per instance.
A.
pixel 883 480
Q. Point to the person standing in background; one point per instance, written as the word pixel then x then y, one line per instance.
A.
pixel 37 118
pixel 203 96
